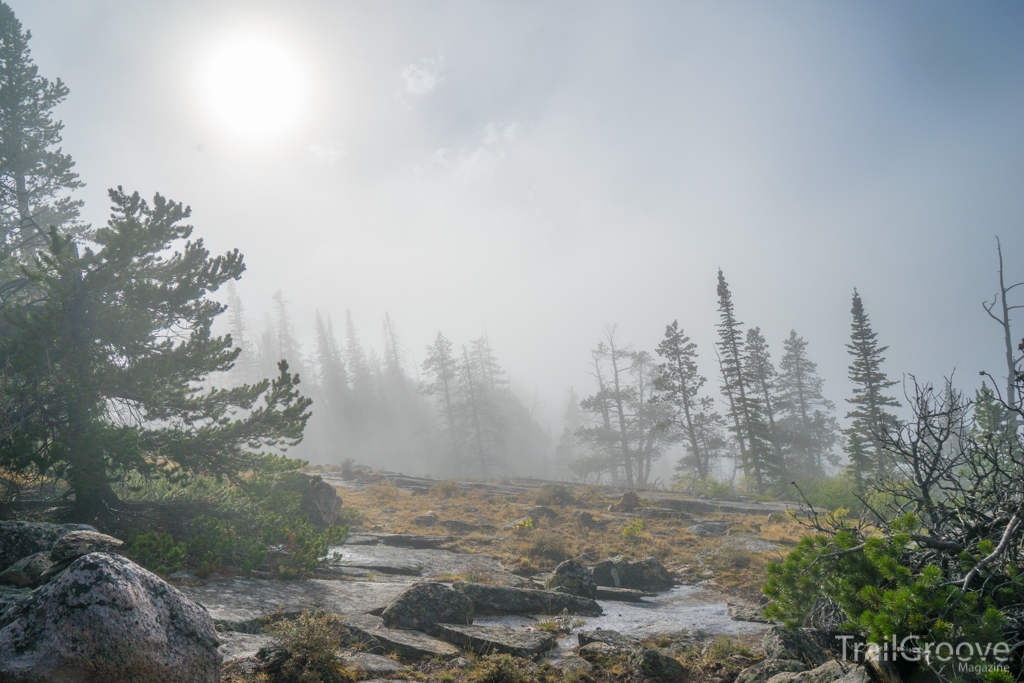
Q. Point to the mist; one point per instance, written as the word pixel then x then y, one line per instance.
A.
pixel 528 174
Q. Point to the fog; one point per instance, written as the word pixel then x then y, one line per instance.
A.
pixel 535 171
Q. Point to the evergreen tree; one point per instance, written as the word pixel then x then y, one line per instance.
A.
pixel 332 381
pixel 36 177
pixel 104 370
pixel 868 416
pixel 246 369
pixel 679 384
pixel 761 377
pixel 747 422
pixel 568 449
pixel 807 418
pixel 483 422
pixel 441 365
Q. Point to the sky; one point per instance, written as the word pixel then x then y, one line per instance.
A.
pixel 538 170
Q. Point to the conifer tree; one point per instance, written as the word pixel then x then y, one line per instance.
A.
pixel 441 365
pixel 760 376
pixel 36 176
pixel 868 415
pixel 245 370
pixel 679 384
pixel 746 422
pixel 807 418
pixel 105 369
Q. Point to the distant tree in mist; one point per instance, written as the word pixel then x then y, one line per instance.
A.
pixel 697 426
pixel 760 377
pixel 246 368
pixel 36 176
pixel 869 417
pixel 568 449
pixel 441 366
pixel 806 418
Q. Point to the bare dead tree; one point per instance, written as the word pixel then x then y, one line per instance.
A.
pixel 999 310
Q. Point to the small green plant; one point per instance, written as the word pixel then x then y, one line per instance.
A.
pixel 523 525
pixel 310 643
pixel 502 669
pixel 157 551
pixel 562 623
pixel 634 529
pixel 997 676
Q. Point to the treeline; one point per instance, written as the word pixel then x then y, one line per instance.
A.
pixel 454 415
pixel 775 425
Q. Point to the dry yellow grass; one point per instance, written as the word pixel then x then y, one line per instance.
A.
pixel 384 507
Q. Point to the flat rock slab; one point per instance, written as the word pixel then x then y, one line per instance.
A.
pixel 240 601
pixel 371 664
pixel 490 599
pixel 747 613
pixel 622 594
pixel 486 640
pixel 398 561
pixel 369 569
pixel 409 645
pixel 415 541
pixel 235 646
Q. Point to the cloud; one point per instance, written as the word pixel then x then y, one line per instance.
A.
pixel 497 140
pixel 421 78
pixel 327 152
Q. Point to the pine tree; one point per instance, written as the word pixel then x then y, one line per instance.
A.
pixel 679 384
pixel 807 418
pixel 109 362
pixel 330 376
pixel 441 365
pixel 483 421
pixel 568 449
pixel 746 421
pixel 868 417
pixel 760 377
pixel 245 370
pixel 36 177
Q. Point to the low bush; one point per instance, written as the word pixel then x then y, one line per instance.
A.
pixel 445 489
pixel 309 646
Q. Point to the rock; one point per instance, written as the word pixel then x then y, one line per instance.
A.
pixel 490 599
pixel 320 501
pixel 236 646
pixel 459 663
pixel 829 672
pixel 422 606
pixel 370 664
pixel 622 594
pixel 597 651
pixel 708 528
pixel 647 575
pixel 408 645
pixel 462 527
pixel 20 539
pixel 747 613
pixel 783 643
pixel 498 639
pixel 9 595
pixel 429 519
pixel 584 517
pixel 541 511
pixel 518 524
pixel 766 669
pixel 608 637
pixel 108 619
pixel 75 544
pixel 574 665
pixel 573 578
pixel 630 501
pixel 27 572
pixel 658 665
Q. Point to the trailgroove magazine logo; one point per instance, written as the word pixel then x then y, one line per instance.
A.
pixel 966 657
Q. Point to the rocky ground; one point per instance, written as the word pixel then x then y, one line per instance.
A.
pixel 504 582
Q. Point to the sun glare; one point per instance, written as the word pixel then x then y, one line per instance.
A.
pixel 255 87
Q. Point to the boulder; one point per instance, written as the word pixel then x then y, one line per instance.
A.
pixel 75 544
pixel 660 666
pixel 20 539
pixel 647 575
pixel 708 528
pixel 764 670
pixel 584 517
pixel 422 606
pixel 428 519
pixel 596 651
pixel 574 665
pixel 608 637
pixel 409 645
pixel 27 572
pixel 320 501
pixel 630 501
pixel 829 672
pixel 490 599
pixel 539 511
pixel 498 639
pixel 783 643
pixel 573 578
pixel 108 619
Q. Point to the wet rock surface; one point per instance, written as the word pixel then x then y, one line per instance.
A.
pixel 646 575
pixel 20 539
pixel 574 578
pixel 422 606
pixel 409 645
pixel 621 594
pixel 108 619
pixel 498 639
pixel 491 599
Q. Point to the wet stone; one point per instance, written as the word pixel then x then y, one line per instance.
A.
pixel 408 645
pixel 498 640
pixel 621 594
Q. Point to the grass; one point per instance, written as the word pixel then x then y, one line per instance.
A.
pixel 530 550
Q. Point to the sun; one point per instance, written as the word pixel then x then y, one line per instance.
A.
pixel 254 86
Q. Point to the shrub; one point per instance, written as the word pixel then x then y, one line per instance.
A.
pixel 547 545
pixel 633 529
pixel 310 643
pixel 157 551
pixel 502 669
pixel 554 494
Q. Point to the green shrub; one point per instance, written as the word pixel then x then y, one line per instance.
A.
pixel 310 644
pixel 157 551
pixel 633 529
